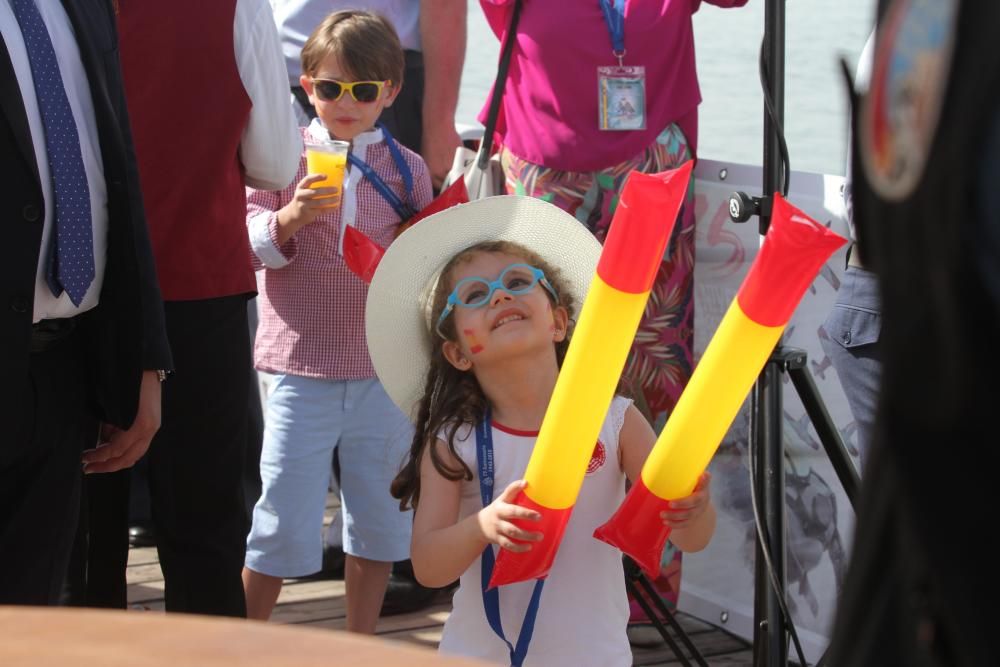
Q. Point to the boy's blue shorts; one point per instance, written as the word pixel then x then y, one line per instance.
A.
pixel 306 418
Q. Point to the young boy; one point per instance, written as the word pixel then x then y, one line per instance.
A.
pixel 312 337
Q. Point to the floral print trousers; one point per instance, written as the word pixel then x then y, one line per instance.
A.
pixel 660 362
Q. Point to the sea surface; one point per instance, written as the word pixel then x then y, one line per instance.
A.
pixel 819 34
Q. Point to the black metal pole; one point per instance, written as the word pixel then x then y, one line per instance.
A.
pixel 774 59
pixel 770 639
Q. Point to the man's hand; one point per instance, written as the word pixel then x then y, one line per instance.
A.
pixel 120 449
pixel 438 149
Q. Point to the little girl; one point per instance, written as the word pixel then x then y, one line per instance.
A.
pixel 489 346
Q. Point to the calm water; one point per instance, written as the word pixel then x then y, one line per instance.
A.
pixel 819 34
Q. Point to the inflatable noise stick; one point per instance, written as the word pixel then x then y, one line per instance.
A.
pixel 610 315
pixel 794 250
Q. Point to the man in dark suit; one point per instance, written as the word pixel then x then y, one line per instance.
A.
pixel 82 338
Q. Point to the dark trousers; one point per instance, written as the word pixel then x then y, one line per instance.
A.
pixel 96 576
pixel 40 475
pixel 139 502
pixel 197 458
pixel 255 425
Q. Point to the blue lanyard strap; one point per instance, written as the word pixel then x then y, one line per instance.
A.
pixel 397 157
pixel 491 598
pixel 404 210
pixel 614 16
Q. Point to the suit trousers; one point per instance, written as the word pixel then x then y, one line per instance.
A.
pixel 96 575
pixel 197 458
pixel 40 474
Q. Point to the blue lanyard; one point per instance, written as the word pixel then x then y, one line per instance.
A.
pixel 491 598
pixel 615 18
pixel 405 211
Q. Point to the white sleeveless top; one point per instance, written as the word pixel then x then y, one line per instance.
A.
pixel 583 609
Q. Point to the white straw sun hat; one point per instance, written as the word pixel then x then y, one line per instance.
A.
pixel 397 314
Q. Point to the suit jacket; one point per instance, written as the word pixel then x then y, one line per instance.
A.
pixel 125 334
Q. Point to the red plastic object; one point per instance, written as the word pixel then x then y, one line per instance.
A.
pixel 641 228
pixel 452 195
pixel 513 567
pixel 637 529
pixel 794 249
pixel 361 253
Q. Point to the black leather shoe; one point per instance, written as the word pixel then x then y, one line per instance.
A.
pixel 333 562
pixel 404 595
pixel 141 534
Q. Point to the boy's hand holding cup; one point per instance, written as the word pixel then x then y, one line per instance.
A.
pixel 319 191
pixel 330 159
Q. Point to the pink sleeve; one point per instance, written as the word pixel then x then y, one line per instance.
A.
pixel 262 223
pixel 423 192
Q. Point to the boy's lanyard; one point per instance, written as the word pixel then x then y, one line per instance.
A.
pixel 404 210
pixel 491 598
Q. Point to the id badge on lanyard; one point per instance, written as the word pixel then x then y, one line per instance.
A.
pixel 621 89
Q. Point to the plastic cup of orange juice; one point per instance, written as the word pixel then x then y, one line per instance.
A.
pixel 328 158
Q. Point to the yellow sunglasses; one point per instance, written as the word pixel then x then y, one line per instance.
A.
pixel 330 90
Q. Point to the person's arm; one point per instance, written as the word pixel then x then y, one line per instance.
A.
pixel 274 217
pixel 266 248
pixel 443 547
pixel 691 519
pixel 122 448
pixel 271 144
pixel 156 353
pixel 442 38
pixel 423 193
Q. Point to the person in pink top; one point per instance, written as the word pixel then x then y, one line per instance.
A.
pixel 596 90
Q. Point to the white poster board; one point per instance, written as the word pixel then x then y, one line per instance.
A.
pixel 718 583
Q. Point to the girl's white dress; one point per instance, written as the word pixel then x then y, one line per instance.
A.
pixel 583 609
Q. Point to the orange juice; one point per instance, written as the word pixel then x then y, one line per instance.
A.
pixel 329 159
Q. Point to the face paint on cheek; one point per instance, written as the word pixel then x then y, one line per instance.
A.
pixel 474 346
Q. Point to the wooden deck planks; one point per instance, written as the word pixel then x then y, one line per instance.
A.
pixel 320 604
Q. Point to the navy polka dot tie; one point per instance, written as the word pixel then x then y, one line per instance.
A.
pixel 71 256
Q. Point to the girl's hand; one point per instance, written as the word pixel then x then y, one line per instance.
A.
pixel 684 511
pixel 495 521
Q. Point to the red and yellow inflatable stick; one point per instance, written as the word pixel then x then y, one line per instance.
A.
pixel 594 361
pixel 793 252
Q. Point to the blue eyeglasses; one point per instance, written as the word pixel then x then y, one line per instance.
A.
pixel 474 292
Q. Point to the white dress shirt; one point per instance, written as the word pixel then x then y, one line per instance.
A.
pixel 271 143
pixel 82 106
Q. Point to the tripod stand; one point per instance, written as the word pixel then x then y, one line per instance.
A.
pixel 772 622
pixel 640 588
